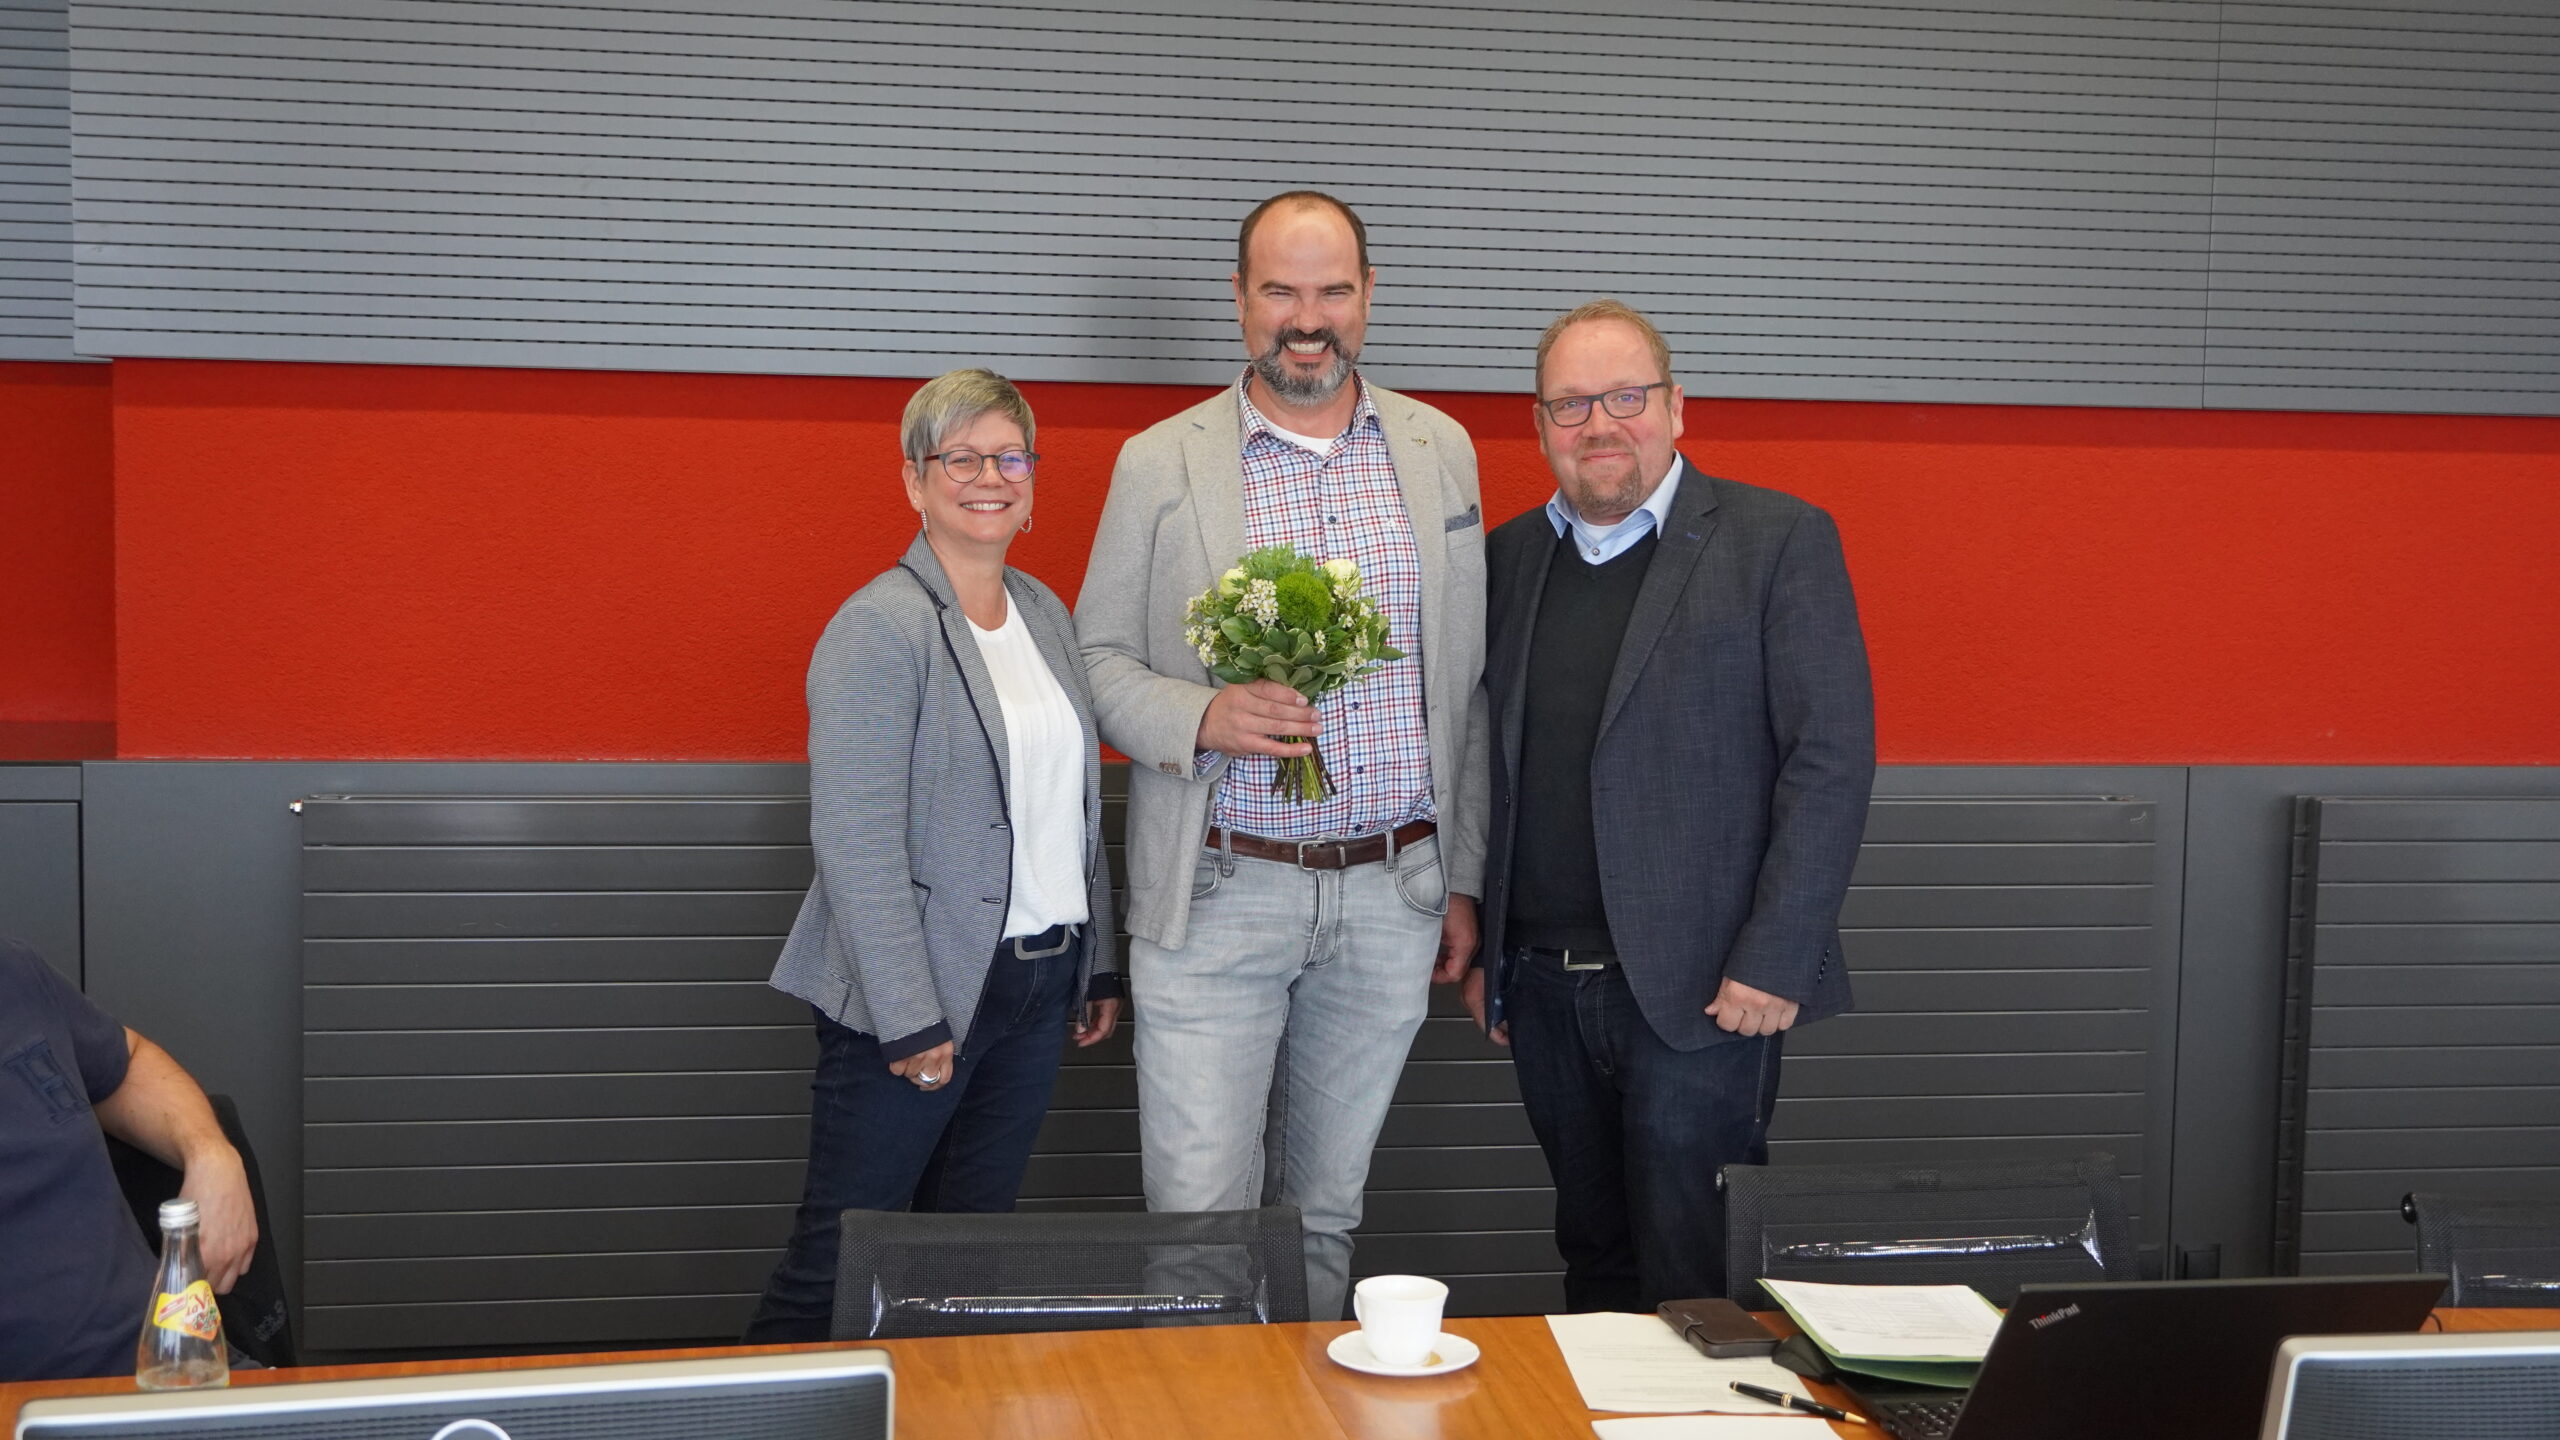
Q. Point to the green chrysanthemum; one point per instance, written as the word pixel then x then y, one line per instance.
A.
pixel 1306 602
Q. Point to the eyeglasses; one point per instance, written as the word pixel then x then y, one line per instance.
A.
pixel 1012 466
pixel 1627 404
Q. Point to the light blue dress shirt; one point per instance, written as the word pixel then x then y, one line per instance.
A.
pixel 1600 544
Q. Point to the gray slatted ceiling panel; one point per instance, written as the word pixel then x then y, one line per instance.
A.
pixel 2387 208
pixel 2424 1016
pixel 1895 199
pixel 35 181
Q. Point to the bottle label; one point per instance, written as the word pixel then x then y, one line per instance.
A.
pixel 189 1312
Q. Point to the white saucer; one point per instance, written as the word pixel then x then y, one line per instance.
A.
pixel 1350 1349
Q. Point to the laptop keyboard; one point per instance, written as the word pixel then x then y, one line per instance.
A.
pixel 1919 1419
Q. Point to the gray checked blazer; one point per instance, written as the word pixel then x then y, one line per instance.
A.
pixel 1173 522
pixel 1736 752
pixel 907 785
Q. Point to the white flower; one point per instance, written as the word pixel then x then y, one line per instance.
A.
pixel 1232 582
pixel 1345 577
pixel 1207 655
pixel 1262 601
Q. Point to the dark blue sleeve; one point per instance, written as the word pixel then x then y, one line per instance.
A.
pixel 97 1038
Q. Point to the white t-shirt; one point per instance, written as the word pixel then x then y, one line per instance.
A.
pixel 1044 751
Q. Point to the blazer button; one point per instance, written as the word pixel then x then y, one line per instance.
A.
pixel 1169 768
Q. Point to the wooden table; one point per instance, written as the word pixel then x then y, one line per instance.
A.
pixel 1240 1381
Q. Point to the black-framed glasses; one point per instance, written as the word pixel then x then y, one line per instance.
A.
pixel 1012 466
pixel 1626 404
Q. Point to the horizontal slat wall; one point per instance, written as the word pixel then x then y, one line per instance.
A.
pixel 2424 1020
pixel 2387 207
pixel 2006 968
pixel 35 181
pixel 548 1098
pixel 1891 199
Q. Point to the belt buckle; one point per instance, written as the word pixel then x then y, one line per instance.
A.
pixel 1572 964
pixel 1067 938
pixel 1341 853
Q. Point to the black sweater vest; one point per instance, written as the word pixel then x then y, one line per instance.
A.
pixel 1573 649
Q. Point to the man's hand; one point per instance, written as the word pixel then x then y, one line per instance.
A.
pixel 1092 1025
pixel 1745 1011
pixel 1471 990
pixel 1458 935
pixel 1244 719
pixel 927 1069
pixel 227 1223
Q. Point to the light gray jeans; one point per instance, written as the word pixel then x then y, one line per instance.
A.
pixel 1293 1001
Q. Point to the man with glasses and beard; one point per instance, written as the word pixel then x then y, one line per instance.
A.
pixel 1281 953
pixel 1683 744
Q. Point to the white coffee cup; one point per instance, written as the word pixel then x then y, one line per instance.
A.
pixel 1399 1316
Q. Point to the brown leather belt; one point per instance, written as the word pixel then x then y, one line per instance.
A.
pixel 1325 854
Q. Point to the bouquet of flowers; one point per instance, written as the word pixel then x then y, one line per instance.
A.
pixel 1279 615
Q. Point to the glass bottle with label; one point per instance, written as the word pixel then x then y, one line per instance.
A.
pixel 181 1346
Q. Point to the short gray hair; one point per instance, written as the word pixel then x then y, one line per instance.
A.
pixel 949 401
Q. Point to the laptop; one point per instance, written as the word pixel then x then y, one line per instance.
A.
pixel 2137 1360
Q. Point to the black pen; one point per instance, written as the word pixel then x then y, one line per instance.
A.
pixel 1810 1407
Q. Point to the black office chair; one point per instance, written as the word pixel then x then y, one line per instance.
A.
pixel 905 1274
pixel 1994 1226
pixel 256 1317
pixel 2498 1252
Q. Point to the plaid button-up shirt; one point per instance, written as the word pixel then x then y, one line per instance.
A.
pixel 1344 503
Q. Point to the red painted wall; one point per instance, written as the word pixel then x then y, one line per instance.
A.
pixel 344 561
pixel 57 545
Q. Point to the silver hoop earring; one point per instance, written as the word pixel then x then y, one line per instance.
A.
pixel 924 522
pixel 1026 526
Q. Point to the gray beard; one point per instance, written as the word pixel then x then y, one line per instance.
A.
pixel 1307 390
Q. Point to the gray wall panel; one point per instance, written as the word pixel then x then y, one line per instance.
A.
pixel 2445 1123
pixel 35 181
pixel 1891 200
pixel 193 909
pixel 2471 111
pixel 40 879
pixel 2231 1005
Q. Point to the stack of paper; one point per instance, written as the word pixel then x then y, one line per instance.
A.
pixel 1637 1363
pixel 1922 1334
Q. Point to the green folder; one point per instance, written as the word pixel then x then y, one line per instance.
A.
pixel 1949 1372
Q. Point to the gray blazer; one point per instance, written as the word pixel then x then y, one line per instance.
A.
pixel 1737 749
pixel 907 785
pixel 1173 522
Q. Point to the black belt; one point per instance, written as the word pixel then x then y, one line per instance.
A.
pixel 1325 854
pixel 1574 959
pixel 1052 941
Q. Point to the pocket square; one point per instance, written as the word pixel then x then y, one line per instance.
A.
pixel 1473 515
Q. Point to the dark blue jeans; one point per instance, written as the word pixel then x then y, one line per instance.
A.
pixel 1634 1132
pixel 876 1142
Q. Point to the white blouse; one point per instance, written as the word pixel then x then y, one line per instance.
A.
pixel 1044 755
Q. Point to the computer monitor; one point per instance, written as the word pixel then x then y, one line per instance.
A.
pixel 2416 1387
pixel 813 1395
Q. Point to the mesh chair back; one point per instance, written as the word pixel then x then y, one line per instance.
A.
pixel 2498 1252
pixel 1994 1227
pixel 256 1318
pixel 904 1274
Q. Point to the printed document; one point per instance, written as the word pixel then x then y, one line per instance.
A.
pixel 1637 1363
pixel 1891 1322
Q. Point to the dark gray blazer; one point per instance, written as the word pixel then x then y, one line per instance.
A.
pixel 907 784
pixel 1735 755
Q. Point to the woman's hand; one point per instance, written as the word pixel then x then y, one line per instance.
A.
pixel 926 1069
pixel 1093 1026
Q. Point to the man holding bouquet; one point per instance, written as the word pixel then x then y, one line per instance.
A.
pixel 1285 917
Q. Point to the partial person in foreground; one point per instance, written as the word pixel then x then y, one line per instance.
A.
pixel 1282 951
pixel 959 927
pixel 1683 747
pixel 75 1270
